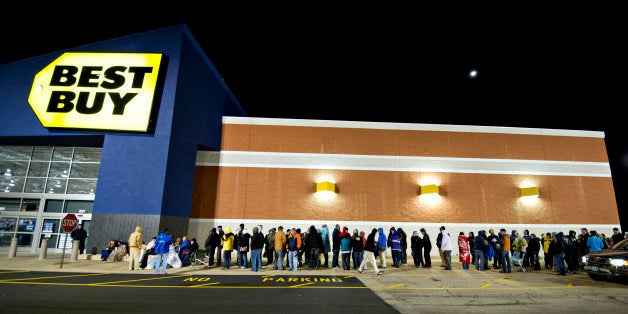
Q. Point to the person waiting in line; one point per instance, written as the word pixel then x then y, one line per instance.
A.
pixel 427 248
pixel 324 231
pixel 394 242
pixel 471 238
pixel 211 245
pixel 370 249
pixel 493 241
pixel 447 247
pixel 257 245
pixel 293 245
pixel 269 243
pixel 162 250
pixel 479 245
pixel 244 243
pixel 357 249
pixel 227 248
pixel 280 244
pixel 403 239
pixel 335 246
pixel 463 250
pixel 135 246
pixel 548 258
pixel 382 244
pixel 345 248
pixel 315 243
pixel 416 247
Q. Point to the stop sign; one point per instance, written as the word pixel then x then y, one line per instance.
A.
pixel 69 222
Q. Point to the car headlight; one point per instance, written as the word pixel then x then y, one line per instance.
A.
pixel 584 259
pixel 617 262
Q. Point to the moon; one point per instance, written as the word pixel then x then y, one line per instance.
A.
pixel 473 73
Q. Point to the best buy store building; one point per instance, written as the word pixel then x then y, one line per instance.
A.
pixel 142 131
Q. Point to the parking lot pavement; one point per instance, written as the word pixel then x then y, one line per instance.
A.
pixel 407 289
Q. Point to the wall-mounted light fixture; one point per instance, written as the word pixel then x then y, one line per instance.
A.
pixel 428 189
pixel 530 191
pixel 325 186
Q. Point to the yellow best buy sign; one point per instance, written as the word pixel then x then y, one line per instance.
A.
pixel 101 91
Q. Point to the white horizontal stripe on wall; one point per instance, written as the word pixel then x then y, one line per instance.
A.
pixel 199 228
pixel 401 163
pixel 409 126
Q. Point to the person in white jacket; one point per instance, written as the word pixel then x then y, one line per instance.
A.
pixel 446 246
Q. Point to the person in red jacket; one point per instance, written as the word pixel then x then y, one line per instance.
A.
pixel 463 250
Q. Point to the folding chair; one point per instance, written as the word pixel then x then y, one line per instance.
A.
pixel 199 259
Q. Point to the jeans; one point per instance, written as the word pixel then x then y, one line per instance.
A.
pixel 480 260
pixel 506 263
pixel 243 258
pixel 396 257
pixel 256 259
pixel 227 258
pixel 314 258
pixel 278 264
pixel 404 256
pixel 465 265
pixel 334 260
pixel 162 262
pixel 560 264
pixel 293 260
pixel 447 255
pixel 346 256
pixel 357 259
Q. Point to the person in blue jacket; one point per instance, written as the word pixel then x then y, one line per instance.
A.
pixel 162 248
pixel 382 243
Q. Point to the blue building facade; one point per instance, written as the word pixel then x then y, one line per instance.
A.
pixel 144 179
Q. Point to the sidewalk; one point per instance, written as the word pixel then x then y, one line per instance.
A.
pixel 52 262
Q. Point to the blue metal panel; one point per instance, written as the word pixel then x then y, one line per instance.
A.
pixel 149 174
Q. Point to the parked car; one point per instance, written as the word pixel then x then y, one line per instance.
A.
pixel 609 264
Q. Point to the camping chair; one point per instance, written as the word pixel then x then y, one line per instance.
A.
pixel 199 259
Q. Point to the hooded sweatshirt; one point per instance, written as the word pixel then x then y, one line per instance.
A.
pixel 446 242
pixel 135 239
pixel 381 240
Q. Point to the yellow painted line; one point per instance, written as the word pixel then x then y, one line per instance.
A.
pixel 395 286
pixel 160 277
pixel 305 287
pixel 205 284
pixel 569 285
pixel 55 277
pixel 486 285
pixel 349 276
pixel 14 271
pixel 302 285
pixel 426 277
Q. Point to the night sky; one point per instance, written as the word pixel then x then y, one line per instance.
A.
pixel 561 67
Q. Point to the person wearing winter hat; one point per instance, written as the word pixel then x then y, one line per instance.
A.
pixel 227 248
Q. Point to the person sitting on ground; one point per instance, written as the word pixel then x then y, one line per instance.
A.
pixel 107 251
pixel 184 250
pixel 118 254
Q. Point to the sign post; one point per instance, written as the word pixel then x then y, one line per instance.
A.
pixel 68 223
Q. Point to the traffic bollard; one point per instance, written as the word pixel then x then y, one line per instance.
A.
pixel 43 249
pixel 13 247
pixel 75 250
